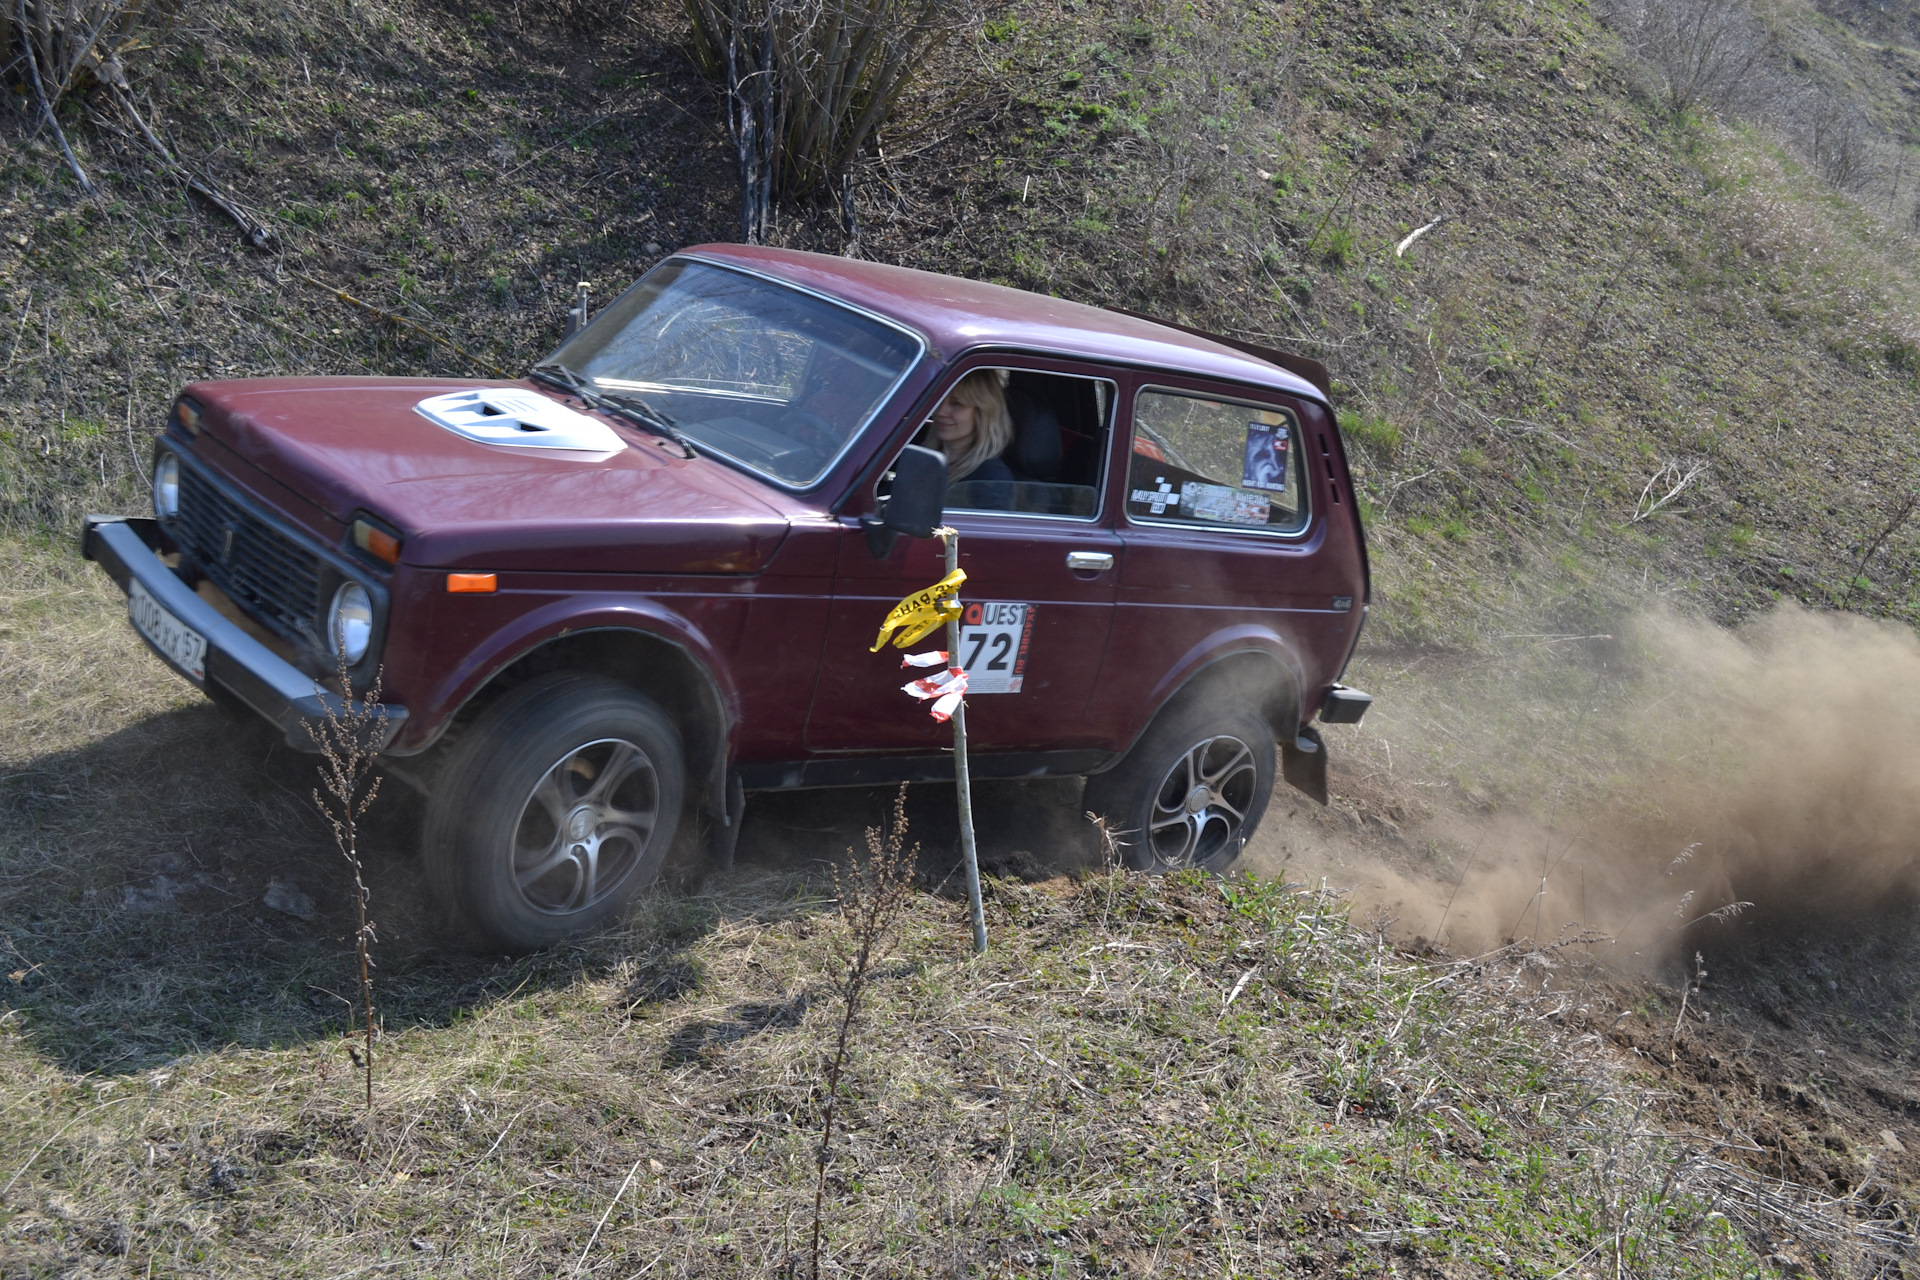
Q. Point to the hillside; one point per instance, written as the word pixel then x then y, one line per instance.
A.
pixel 1639 379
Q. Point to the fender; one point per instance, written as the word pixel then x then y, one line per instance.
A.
pixel 639 614
pixel 1223 645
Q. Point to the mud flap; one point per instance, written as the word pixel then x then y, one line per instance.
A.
pixel 1303 763
pixel 723 829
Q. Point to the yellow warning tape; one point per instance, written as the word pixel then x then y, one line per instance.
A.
pixel 922 613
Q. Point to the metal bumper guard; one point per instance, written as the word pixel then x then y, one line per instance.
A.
pixel 129 547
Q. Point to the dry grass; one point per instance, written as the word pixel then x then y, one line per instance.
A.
pixel 1198 1086
pixel 1144 1075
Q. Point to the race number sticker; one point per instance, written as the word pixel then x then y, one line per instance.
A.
pixel 993 645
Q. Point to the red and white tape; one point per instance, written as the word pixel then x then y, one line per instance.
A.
pixel 945 688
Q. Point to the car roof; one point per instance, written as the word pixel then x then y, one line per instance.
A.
pixel 957 315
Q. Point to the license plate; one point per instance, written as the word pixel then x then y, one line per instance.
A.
pixel 178 643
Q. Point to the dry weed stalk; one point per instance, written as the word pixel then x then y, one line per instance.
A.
pixel 873 895
pixel 1113 865
pixel 349 737
pixel 1670 477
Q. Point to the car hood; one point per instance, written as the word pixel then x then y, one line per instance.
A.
pixel 351 444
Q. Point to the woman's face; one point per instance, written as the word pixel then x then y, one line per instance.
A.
pixel 953 422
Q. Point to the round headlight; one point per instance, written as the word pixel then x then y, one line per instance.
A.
pixel 166 487
pixel 350 622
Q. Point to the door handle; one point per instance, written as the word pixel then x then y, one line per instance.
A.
pixel 1090 561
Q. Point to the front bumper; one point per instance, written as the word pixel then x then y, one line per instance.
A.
pixel 129 547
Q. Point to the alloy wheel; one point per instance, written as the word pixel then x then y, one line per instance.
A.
pixel 1201 805
pixel 585 827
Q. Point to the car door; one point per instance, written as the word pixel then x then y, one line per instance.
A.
pixel 1223 518
pixel 1039 596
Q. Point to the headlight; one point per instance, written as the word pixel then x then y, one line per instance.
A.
pixel 350 622
pixel 166 487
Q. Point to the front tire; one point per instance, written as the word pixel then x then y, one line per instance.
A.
pixel 1191 792
pixel 555 810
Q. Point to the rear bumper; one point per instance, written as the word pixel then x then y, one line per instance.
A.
pixel 130 547
pixel 1344 706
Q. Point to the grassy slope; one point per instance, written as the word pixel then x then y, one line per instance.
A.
pixel 1143 1077
pixel 1614 294
pixel 1611 294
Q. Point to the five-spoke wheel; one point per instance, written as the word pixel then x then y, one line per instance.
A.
pixel 555 809
pixel 587 823
pixel 1201 805
pixel 1192 790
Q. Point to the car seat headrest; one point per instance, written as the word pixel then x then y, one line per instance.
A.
pixel 1035 452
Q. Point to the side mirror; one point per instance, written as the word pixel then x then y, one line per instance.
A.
pixel 914 504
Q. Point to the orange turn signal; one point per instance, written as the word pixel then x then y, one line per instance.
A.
pixel 377 543
pixel 479 583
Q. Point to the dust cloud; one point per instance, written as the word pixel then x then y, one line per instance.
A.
pixel 1669 785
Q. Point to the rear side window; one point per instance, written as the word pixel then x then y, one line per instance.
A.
pixel 1218 464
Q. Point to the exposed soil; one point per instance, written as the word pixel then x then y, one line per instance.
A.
pixel 1797 1052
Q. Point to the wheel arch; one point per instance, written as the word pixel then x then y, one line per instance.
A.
pixel 1255 666
pixel 651 664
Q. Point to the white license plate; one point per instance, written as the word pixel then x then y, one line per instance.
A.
pixel 180 644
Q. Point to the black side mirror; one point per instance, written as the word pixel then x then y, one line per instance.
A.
pixel 914 504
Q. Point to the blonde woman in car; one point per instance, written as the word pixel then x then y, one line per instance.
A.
pixel 973 428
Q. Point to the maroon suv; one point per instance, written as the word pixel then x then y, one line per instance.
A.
pixel 607 601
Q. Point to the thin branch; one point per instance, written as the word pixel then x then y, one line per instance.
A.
pixel 46 107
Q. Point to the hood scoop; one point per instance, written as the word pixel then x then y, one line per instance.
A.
pixel 518 418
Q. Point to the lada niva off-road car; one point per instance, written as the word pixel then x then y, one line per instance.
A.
pixel 607 601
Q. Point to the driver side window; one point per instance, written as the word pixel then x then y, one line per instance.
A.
pixel 1023 442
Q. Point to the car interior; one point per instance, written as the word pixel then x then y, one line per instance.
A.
pixel 1060 425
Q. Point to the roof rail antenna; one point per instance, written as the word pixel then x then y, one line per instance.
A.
pixel 577 313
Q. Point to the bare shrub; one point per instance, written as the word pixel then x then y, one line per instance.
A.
pixel 1703 50
pixel 809 83
pixel 874 896
pixel 75 44
pixel 60 48
pixel 349 737
pixel 1841 145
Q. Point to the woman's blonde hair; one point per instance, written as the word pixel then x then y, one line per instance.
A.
pixel 985 390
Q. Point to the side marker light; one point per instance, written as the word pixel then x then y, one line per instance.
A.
pixel 472 583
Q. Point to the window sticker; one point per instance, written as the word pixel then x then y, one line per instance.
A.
pixel 994 635
pixel 1225 504
pixel 1159 498
pixel 1264 465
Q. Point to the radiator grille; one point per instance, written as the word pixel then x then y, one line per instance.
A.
pixel 264 571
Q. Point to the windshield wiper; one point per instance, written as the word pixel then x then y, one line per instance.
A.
pixel 630 408
pixel 653 417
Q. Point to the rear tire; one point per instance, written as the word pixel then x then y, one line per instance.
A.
pixel 555 810
pixel 1193 789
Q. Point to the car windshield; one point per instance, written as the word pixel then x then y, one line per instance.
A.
pixel 778 380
